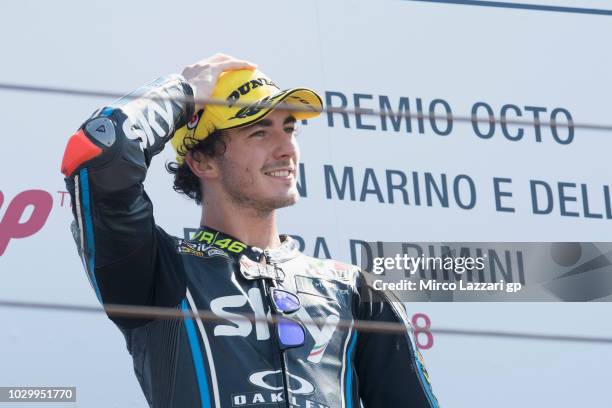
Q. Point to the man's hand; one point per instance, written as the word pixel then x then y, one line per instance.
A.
pixel 203 75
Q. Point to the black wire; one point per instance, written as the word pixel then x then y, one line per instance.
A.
pixel 151 312
pixel 331 110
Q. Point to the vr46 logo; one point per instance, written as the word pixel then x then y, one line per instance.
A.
pixel 12 225
pixel 243 328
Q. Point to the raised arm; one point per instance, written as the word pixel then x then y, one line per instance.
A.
pixel 105 164
pixel 128 259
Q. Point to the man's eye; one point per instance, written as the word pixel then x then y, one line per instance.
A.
pixel 290 130
pixel 258 133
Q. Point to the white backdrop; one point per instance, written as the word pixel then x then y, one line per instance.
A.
pixel 365 51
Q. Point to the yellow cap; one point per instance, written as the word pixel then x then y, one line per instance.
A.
pixel 250 95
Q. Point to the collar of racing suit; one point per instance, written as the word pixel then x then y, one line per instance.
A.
pixel 288 249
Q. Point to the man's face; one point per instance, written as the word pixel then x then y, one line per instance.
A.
pixel 259 167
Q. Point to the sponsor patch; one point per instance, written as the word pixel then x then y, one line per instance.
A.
pixel 247 87
pixel 343 272
pixel 188 248
pixel 271 391
pixel 200 250
pixel 195 119
pixel 316 287
pixel 255 108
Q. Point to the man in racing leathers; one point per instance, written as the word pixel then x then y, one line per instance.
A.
pixel 240 161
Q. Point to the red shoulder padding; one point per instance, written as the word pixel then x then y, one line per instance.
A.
pixel 78 150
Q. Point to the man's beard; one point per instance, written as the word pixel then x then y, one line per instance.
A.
pixel 238 185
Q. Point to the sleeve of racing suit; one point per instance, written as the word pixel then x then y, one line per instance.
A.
pixel 390 369
pixel 128 259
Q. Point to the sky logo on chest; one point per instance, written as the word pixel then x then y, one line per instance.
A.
pixel 231 309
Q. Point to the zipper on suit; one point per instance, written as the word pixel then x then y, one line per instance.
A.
pixel 264 288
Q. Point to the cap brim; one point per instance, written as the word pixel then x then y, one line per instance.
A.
pixel 303 103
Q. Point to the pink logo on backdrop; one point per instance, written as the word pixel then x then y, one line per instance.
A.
pixel 12 226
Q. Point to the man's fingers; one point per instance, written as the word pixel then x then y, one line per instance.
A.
pixel 220 57
pixel 208 61
pixel 233 65
pixel 203 75
pixel 218 66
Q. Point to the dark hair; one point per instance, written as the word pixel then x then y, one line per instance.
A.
pixel 185 181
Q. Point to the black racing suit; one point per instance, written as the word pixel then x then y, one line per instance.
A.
pixel 232 362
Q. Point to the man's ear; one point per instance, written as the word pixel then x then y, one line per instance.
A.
pixel 201 165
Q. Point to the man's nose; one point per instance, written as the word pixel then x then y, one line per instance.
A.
pixel 285 144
